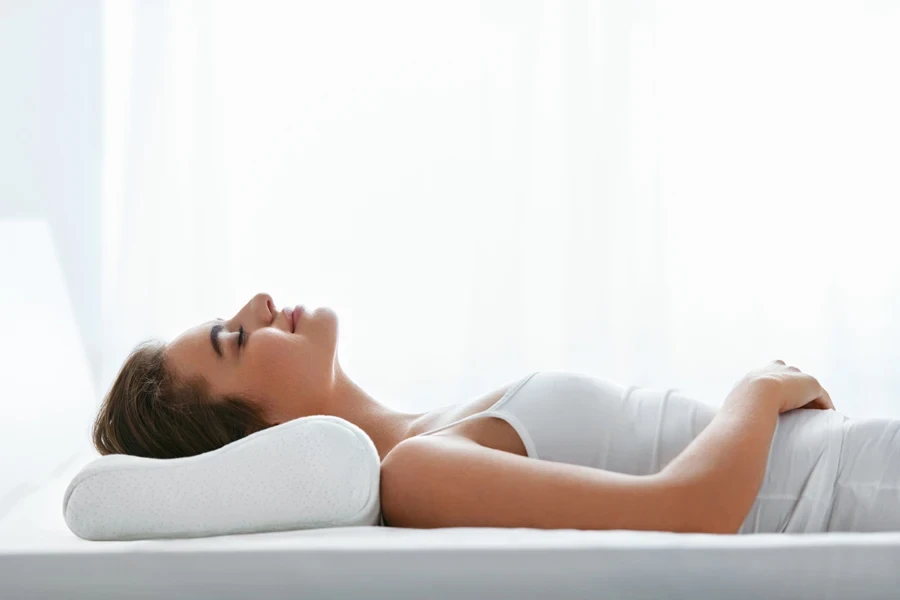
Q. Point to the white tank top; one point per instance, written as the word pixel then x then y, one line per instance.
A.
pixel 586 420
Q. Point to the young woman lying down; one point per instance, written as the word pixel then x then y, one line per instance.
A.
pixel 549 450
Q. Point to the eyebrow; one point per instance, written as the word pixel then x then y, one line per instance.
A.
pixel 214 338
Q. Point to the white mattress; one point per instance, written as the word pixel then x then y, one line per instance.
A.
pixel 40 558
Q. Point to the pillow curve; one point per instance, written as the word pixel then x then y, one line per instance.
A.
pixel 313 472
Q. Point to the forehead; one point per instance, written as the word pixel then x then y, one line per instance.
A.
pixel 195 335
pixel 191 352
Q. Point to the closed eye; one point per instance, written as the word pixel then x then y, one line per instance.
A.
pixel 241 338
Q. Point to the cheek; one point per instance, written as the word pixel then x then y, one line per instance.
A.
pixel 277 361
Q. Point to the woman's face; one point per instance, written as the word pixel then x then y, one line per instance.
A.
pixel 284 360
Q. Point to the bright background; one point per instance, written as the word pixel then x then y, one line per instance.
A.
pixel 663 193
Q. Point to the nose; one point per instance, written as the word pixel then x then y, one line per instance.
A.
pixel 265 305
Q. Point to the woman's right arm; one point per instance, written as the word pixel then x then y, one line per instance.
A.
pixel 443 481
pixel 721 471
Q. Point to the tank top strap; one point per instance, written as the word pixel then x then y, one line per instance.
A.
pixel 495 411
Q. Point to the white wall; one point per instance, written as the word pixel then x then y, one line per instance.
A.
pixel 50 137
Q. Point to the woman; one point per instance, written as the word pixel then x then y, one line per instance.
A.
pixel 549 450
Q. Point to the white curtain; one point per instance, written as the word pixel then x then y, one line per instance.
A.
pixel 663 193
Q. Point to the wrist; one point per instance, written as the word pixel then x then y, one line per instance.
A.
pixel 759 393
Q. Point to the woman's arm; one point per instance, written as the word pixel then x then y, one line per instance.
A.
pixel 442 481
pixel 721 471
pixel 723 468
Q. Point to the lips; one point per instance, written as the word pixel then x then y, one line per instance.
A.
pixel 293 316
pixel 289 315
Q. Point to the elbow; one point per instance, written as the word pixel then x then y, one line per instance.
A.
pixel 697 509
pixel 708 521
pixel 712 524
pixel 728 522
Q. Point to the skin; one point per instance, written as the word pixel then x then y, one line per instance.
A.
pixel 290 374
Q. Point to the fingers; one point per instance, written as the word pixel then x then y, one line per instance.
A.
pixel 819 404
pixel 790 368
pixel 821 398
pixel 829 405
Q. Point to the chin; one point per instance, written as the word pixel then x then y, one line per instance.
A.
pixel 330 319
pixel 326 314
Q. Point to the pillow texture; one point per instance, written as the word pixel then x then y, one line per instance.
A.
pixel 312 472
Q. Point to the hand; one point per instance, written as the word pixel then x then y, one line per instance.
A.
pixel 788 387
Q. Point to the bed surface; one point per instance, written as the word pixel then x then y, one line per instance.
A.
pixel 41 558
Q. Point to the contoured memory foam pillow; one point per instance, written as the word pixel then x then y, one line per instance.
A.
pixel 312 472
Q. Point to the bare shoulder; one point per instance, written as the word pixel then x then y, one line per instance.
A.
pixel 464 409
pixel 417 479
pixel 489 432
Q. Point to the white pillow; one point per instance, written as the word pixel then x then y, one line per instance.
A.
pixel 312 472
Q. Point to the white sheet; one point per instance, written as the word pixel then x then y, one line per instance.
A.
pixel 40 558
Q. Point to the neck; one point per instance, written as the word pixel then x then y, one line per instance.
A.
pixel 385 426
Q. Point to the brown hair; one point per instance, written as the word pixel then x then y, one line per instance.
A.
pixel 151 412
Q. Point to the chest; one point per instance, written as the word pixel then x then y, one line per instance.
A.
pixel 490 432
